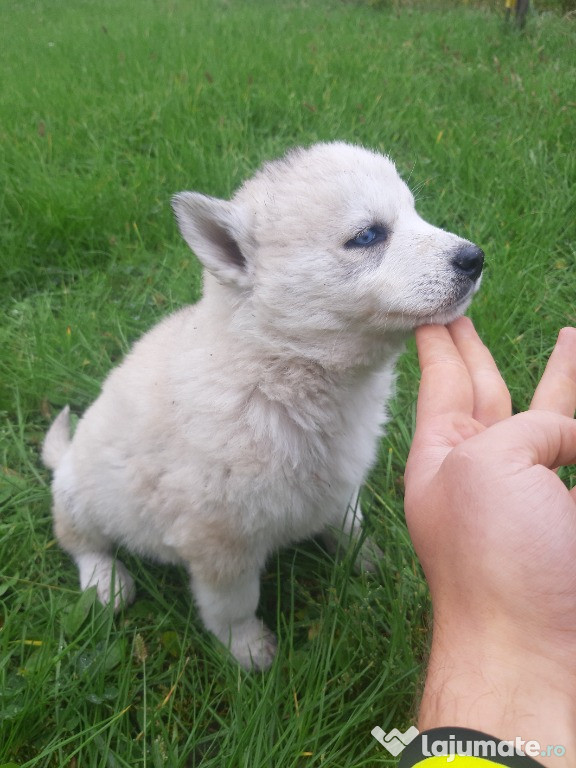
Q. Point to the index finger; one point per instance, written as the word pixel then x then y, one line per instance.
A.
pixel 491 397
pixel 445 384
pixel 557 388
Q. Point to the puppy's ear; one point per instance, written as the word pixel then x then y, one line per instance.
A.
pixel 211 228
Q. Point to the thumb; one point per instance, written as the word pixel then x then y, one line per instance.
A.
pixel 530 438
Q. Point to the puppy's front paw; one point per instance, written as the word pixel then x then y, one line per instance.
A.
pixel 252 644
pixel 113 582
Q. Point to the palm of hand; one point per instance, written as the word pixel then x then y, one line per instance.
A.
pixel 493 525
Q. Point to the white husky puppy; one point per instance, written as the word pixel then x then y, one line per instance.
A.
pixel 249 420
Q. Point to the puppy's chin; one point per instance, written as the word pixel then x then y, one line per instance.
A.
pixel 447 314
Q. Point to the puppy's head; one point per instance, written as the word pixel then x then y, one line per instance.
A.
pixel 325 242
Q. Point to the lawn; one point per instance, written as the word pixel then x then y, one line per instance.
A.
pixel 107 109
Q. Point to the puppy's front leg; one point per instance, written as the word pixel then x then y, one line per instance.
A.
pixel 346 531
pixel 228 610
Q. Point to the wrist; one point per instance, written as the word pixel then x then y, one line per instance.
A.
pixel 495 685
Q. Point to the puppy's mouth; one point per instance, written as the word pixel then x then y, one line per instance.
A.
pixel 451 311
pixel 451 308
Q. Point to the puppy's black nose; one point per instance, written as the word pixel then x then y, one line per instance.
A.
pixel 469 259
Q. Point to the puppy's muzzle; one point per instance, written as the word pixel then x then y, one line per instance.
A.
pixel 469 261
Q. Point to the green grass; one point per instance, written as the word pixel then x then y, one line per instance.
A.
pixel 108 108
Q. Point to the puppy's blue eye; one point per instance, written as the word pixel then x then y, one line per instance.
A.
pixel 365 238
pixel 369 236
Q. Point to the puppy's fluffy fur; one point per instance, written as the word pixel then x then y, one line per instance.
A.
pixel 249 420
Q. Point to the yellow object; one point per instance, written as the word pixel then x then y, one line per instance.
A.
pixel 511 4
pixel 458 761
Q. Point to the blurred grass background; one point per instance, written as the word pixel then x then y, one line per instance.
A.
pixel 107 109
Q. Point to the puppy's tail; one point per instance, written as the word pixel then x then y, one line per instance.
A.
pixel 57 440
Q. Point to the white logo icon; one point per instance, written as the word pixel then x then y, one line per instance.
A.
pixel 394 740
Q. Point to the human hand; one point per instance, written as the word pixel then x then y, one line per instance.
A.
pixel 494 526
